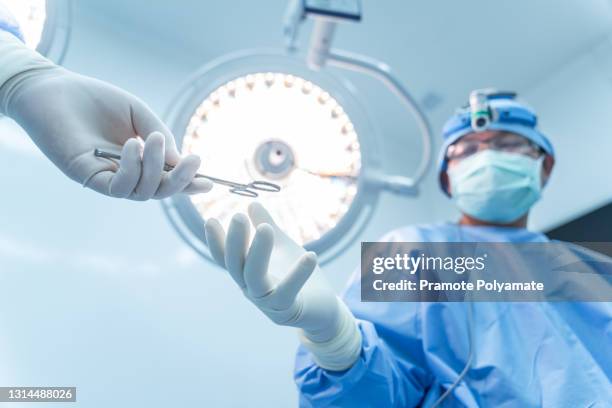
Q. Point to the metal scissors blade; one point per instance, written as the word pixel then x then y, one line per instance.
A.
pixel 245 190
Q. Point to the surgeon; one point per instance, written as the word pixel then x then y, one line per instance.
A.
pixel 358 354
pixel 69 115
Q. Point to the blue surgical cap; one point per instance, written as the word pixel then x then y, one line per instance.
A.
pixel 508 115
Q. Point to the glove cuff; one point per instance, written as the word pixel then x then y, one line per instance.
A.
pixel 341 351
pixel 16 58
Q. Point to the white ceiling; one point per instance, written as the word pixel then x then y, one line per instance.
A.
pixel 447 47
pixel 437 48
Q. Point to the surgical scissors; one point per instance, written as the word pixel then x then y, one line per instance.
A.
pixel 246 190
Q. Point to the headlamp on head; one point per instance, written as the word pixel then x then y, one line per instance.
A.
pixel 481 114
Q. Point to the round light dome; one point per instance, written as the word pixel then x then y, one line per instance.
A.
pixel 284 129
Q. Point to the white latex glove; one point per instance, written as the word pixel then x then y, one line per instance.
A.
pixel 274 275
pixel 69 115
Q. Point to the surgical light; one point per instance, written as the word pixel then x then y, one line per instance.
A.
pixel 281 116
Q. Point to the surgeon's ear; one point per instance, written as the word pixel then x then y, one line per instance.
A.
pixel 547 166
pixel 444 181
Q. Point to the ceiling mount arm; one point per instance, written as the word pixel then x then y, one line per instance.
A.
pixel 320 53
pixel 382 72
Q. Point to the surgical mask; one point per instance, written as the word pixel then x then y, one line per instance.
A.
pixel 496 186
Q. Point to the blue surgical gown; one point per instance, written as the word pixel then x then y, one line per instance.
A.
pixel 523 354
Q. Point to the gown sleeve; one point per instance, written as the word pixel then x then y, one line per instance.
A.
pixel 377 379
pixel 391 370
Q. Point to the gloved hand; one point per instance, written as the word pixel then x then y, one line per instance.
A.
pixel 274 273
pixel 69 115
